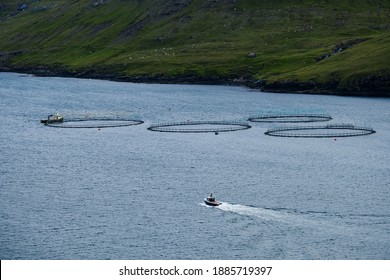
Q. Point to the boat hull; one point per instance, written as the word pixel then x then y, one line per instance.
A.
pixel 60 120
pixel 53 119
pixel 212 203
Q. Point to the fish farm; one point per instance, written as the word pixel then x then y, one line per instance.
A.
pixel 325 131
pixel 94 123
pixel 297 131
pixel 287 118
pixel 199 126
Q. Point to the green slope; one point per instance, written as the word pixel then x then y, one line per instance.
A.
pixel 206 40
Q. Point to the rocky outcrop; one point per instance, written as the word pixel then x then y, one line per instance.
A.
pixel 367 86
pixel 374 85
pixel 132 29
pixel 22 7
pixel 6 56
pixel 98 3
pixel 341 47
pixel 170 8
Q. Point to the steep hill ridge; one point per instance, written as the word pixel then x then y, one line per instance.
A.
pixel 337 47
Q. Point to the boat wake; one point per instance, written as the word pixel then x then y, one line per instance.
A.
pixel 263 213
pixel 281 216
pixel 321 221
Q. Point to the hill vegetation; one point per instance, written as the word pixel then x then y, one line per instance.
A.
pixel 328 46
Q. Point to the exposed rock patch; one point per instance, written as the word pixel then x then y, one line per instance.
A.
pixel 341 47
pixel 171 8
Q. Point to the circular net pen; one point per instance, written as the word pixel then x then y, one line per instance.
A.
pixel 94 123
pixel 325 131
pixel 293 118
pixel 199 127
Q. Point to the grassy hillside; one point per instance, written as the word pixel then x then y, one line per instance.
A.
pixel 315 46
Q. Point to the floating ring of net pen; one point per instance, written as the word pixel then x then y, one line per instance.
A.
pixel 290 118
pixel 199 126
pixel 326 131
pixel 94 123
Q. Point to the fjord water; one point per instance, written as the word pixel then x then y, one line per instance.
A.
pixel 130 193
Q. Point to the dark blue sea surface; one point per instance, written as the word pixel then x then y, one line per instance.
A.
pixel 131 193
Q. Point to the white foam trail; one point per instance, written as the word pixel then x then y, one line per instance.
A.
pixel 282 217
pixel 265 214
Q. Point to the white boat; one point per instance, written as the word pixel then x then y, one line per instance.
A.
pixel 56 118
pixel 211 201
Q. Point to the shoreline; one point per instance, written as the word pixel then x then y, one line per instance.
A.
pixel 311 88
